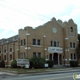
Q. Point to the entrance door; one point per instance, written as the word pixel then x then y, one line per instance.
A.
pixel 50 57
pixel 55 58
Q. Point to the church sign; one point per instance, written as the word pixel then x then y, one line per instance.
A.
pixel 55 50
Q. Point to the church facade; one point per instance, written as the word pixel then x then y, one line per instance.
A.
pixel 54 40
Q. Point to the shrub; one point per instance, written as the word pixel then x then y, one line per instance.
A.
pixel 74 63
pixel 50 63
pixel 14 64
pixel 36 62
pixel 2 63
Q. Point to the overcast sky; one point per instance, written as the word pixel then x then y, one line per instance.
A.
pixel 16 14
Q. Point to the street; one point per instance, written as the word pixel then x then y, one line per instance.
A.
pixel 60 76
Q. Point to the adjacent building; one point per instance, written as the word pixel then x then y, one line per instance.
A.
pixel 54 40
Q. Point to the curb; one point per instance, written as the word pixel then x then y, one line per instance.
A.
pixel 50 72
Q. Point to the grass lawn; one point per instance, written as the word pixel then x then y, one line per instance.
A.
pixel 24 71
pixel 21 70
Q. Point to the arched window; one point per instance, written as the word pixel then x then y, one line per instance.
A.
pixel 71 29
pixel 56 43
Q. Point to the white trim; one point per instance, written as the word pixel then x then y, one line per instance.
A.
pixel 5 60
pixel 6 52
pixel 12 50
pixel 27 48
pixel 17 50
pixel 65 59
pixel 7 41
pixel 7 65
pixel 72 48
pixel 27 34
pixel 77 40
pixel 21 46
pixel 67 64
pixel 66 38
pixel 37 45
pixel 10 60
pixel 44 36
pixel 69 59
pixel 45 49
pixel 67 50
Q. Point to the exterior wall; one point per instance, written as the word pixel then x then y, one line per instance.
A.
pixel 45 34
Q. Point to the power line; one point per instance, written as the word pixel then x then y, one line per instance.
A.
pixel 7 6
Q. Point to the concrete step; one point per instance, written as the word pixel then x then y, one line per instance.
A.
pixel 58 66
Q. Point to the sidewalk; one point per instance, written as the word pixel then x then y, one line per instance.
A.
pixel 55 71
pixel 47 71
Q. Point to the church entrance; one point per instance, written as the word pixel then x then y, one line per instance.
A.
pixel 55 58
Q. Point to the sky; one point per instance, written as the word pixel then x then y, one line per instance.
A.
pixel 16 14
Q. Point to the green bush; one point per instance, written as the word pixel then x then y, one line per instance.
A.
pixel 14 64
pixel 74 63
pixel 36 62
pixel 2 63
pixel 50 63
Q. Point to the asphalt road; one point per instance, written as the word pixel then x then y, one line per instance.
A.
pixel 60 76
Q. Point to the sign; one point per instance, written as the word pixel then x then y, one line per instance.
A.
pixel 55 50
pixel 22 62
pixel 26 66
pixel 46 65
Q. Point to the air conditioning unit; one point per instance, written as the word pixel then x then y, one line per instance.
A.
pixel 12 50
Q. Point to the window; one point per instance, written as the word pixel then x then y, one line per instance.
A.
pixel 73 45
pixel 21 43
pixel 4 57
pixel 39 55
pixel 70 44
pixel 22 55
pixel 74 56
pixel 34 54
pixel 38 42
pixel 34 41
pixel 47 56
pixel 24 42
pixel 4 49
pixel 54 43
pixel 51 43
pixel 63 57
pixel 0 50
pixel 71 29
pixel 71 56
pixel 57 44
pixel 10 57
pixel 10 48
pixel 0 57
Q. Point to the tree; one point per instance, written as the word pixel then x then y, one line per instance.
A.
pixel 37 62
pixel 2 63
pixel 14 64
